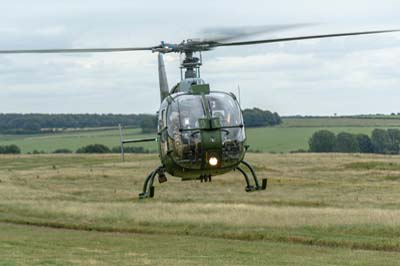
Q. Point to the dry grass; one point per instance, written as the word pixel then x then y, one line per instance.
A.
pixel 228 215
pixel 330 199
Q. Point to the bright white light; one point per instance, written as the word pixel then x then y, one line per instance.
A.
pixel 213 161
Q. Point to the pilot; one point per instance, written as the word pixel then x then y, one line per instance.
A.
pixel 175 125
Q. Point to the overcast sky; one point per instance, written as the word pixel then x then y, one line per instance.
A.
pixel 351 75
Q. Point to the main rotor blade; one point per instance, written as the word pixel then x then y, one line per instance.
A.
pixel 90 50
pixel 302 38
pixel 224 34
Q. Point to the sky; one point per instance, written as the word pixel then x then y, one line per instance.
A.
pixel 343 76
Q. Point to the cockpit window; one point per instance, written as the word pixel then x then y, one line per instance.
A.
pixel 185 136
pixel 184 113
pixel 226 108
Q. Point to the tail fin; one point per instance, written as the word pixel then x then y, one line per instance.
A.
pixel 162 75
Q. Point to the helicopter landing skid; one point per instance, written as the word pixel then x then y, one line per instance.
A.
pixel 148 187
pixel 256 187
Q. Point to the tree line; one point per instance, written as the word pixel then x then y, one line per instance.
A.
pixel 42 123
pixel 10 149
pixel 38 123
pixel 259 118
pixel 382 141
pixel 92 148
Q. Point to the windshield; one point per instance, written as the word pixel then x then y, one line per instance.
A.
pixel 184 113
pixel 226 108
pixel 186 136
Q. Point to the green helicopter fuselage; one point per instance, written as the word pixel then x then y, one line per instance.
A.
pixel 201 132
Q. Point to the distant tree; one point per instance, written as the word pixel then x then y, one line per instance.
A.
pixel 37 123
pixel 62 151
pixel 94 148
pixel 394 139
pixel 346 142
pixel 278 119
pixel 364 143
pixel 380 141
pixel 322 141
pixel 149 124
pixel 258 118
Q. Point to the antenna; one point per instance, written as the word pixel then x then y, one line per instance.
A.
pixel 240 102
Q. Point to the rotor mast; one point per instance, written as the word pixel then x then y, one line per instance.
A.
pixel 191 65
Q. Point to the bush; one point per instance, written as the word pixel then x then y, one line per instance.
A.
pixel 62 151
pixel 117 149
pixel 94 148
pixel 37 152
pixel 347 142
pixel 322 141
pixel 10 149
pixel 299 151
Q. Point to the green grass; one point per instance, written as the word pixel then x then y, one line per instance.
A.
pixel 319 209
pixel 74 140
pixel 292 135
pixel 341 122
pixel 22 245
pixel 286 139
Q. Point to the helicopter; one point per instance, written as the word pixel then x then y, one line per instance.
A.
pixel 201 132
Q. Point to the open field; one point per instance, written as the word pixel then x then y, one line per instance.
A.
pixel 325 209
pixel 292 135
pixel 74 140
pixel 341 122
pixel 286 139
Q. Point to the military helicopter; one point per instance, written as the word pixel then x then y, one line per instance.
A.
pixel 201 132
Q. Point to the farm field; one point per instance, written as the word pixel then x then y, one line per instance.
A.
pixel 292 135
pixel 341 122
pixel 325 209
pixel 74 140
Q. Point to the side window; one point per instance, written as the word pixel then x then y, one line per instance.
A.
pixel 162 126
pixel 160 122
pixel 173 119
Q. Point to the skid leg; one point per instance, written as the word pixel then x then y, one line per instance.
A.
pixel 246 177
pixel 255 178
pixel 148 186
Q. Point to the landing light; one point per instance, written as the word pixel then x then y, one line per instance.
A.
pixel 213 161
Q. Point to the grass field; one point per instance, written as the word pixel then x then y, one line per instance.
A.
pixel 341 122
pixel 74 140
pixel 292 135
pixel 325 209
